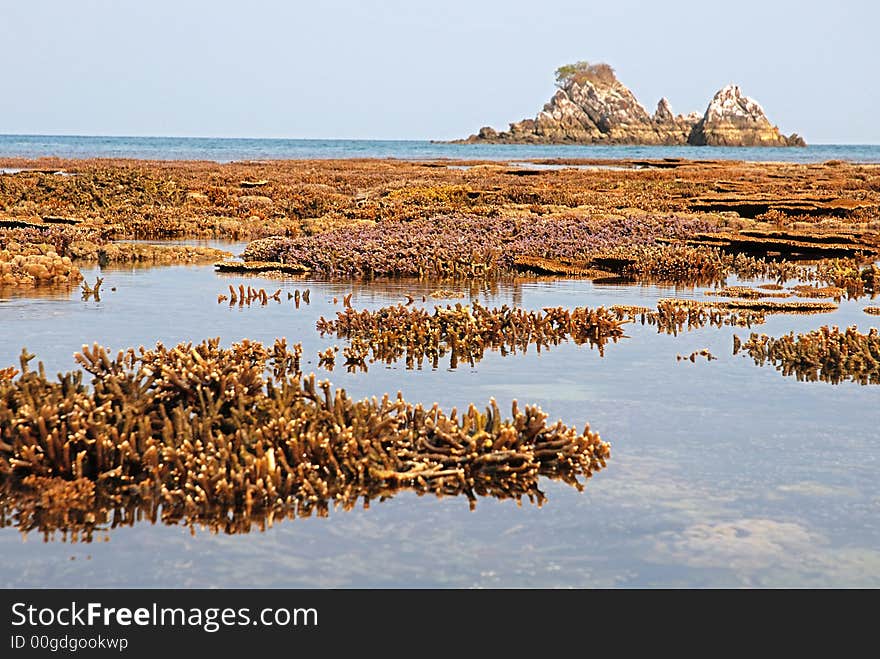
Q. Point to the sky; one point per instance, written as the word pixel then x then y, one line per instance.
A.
pixel 411 69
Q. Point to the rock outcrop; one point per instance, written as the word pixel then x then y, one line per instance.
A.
pixel 594 110
pixel 733 119
pixel 663 113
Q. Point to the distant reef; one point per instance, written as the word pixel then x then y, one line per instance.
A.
pixel 593 107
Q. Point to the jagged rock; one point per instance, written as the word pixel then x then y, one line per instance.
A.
pixel 663 113
pixel 601 110
pixel 733 119
pixel 590 112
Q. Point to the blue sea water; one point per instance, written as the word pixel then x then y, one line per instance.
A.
pixel 232 149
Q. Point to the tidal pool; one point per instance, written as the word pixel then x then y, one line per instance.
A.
pixel 722 473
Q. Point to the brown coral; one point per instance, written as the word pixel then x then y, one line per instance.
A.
pixel 204 432
pixel 826 354
pixel 465 332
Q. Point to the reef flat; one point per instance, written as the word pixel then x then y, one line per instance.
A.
pixel 207 434
pixel 232 438
pixel 468 219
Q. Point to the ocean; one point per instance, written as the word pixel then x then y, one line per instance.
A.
pixel 233 149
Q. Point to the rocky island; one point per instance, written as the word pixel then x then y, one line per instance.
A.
pixel 593 107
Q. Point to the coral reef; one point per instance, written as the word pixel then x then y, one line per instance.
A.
pixel 144 253
pixel 121 200
pixel 465 247
pixel 262 267
pixel 673 316
pixel 746 292
pixel 847 274
pixel 20 270
pixel 464 332
pixel 803 243
pixel 772 306
pixel 217 437
pixel 433 218
pixel 826 354
pixel 835 292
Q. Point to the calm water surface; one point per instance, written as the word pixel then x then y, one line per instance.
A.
pixel 722 473
pixel 229 149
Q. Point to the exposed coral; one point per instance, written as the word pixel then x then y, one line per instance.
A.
pixel 447 294
pixel 772 306
pixel 205 433
pixel 387 218
pixel 327 358
pixel 673 315
pixel 746 292
pixel 466 247
pixel 259 266
pixel 23 270
pixel 819 291
pixel 826 354
pixel 465 332
pixel 130 199
pixel 245 296
pixel 804 243
pixel 144 253
pixel 847 274
pixel 92 291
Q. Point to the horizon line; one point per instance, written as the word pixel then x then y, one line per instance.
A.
pixel 381 139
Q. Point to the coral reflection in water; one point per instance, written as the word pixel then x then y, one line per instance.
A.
pixel 826 354
pixel 464 332
pixel 230 438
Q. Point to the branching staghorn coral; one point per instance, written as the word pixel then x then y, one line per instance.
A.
pixel 222 437
pixel 674 315
pixel 826 354
pixel 848 274
pixel 465 332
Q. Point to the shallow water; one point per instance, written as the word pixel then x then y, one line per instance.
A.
pixel 229 149
pixel 722 473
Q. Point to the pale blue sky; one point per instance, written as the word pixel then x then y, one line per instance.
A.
pixel 420 70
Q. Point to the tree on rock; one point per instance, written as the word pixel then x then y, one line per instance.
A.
pixel 580 72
